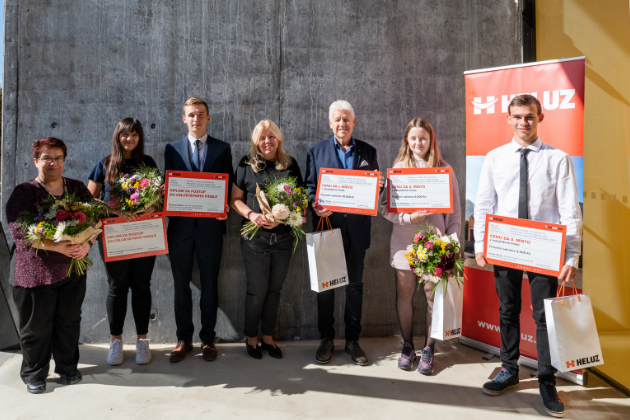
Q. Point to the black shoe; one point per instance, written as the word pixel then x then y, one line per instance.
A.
pixel 553 404
pixel 274 351
pixel 501 383
pixel 324 352
pixel 255 352
pixel 356 352
pixel 36 387
pixel 73 377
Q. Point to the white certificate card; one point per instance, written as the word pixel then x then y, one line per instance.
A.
pixel 143 237
pixel 525 244
pixel 420 189
pixel 195 194
pixel 348 191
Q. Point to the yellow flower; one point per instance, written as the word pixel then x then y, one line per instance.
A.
pixel 299 210
pixel 136 185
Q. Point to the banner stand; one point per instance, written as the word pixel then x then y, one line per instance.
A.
pixel 577 378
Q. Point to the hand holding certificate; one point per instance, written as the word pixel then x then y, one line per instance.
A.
pixel 348 191
pixel 196 194
pixel 525 244
pixel 142 237
pixel 420 189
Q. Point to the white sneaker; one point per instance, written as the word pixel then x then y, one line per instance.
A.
pixel 143 352
pixel 115 355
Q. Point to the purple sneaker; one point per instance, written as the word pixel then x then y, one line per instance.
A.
pixel 407 357
pixel 426 361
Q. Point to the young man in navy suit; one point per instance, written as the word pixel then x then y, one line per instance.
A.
pixel 197 151
pixel 342 151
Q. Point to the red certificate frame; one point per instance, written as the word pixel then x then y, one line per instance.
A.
pixel 195 175
pixel 120 220
pixel 552 227
pixel 349 172
pixel 420 171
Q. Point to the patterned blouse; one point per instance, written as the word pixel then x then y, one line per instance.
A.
pixel 43 268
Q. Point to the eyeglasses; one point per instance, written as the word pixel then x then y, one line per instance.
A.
pixel 48 159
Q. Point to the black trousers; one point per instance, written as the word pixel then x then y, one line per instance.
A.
pixel 134 274
pixel 50 323
pixel 266 258
pixel 354 296
pixel 508 282
pixel 208 247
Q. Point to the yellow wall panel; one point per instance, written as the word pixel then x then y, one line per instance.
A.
pixel 600 30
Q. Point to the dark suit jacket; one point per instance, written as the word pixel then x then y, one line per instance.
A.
pixel 324 155
pixel 218 160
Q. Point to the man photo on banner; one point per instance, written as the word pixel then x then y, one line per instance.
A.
pixel 342 151
pixel 203 236
pixel 528 179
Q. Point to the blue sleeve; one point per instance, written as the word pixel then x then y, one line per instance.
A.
pixel 99 173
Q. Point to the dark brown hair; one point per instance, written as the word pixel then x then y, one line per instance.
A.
pixel 524 100
pixel 49 142
pixel 115 162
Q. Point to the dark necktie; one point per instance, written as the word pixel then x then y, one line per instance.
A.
pixel 196 158
pixel 523 212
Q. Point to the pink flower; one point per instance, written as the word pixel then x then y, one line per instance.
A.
pixel 135 197
pixel 425 277
pixel 429 245
pixel 144 182
pixel 62 214
pixel 417 238
pixel 79 216
pixel 438 272
pixel 113 202
pixel 450 255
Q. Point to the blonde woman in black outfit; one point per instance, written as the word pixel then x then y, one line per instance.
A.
pixel 268 253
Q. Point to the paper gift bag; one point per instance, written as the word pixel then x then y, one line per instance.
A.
pixel 326 260
pixel 573 339
pixel 447 310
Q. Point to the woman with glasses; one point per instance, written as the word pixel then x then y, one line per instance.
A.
pixel 48 300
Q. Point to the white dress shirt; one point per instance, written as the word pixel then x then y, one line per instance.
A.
pixel 202 148
pixel 552 192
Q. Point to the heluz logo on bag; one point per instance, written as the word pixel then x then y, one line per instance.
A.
pixel 456 331
pixel 583 361
pixel 334 282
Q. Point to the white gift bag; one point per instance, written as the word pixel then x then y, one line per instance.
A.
pixel 326 260
pixel 447 310
pixel 573 339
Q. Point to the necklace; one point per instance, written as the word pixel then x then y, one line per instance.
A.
pixel 65 190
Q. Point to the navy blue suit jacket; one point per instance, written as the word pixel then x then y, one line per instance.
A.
pixel 218 160
pixel 324 155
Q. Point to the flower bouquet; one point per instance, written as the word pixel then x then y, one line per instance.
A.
pixel 282 201
pixel 433 257
pixel 67 219
pixel 136 193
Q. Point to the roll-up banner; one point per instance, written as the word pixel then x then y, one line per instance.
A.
pixel 559 86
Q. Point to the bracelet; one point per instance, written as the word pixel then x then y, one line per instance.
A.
pixel 248 213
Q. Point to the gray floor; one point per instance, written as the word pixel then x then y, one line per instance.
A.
pixel 237 386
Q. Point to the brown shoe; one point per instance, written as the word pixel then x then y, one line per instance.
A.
pixel 208 351
pixel 179 352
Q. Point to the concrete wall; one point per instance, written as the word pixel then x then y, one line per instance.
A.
pixel 73 69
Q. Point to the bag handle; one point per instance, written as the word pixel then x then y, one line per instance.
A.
pixel 562 289
pixel 321 219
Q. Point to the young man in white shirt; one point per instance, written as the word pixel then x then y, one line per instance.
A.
pixel 528 179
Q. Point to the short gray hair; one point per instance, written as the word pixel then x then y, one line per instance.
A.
pixel 340 106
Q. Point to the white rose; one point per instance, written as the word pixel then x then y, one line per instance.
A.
pixel 409 248
pixel 281 187
pixel 280 211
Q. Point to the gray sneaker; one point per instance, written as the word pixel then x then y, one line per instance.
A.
pixel 426 361
pixel 115 355
pixel 143 352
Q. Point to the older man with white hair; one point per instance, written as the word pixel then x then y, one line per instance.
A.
pixel 342 151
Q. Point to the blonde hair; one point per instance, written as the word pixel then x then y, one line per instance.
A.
pixel 255 158
pixel 433 156
pixel 195 101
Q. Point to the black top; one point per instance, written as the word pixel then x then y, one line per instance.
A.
pixel 99 173
pixel 246 179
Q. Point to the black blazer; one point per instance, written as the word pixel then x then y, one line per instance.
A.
pixel 324 155
pixel 218 160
